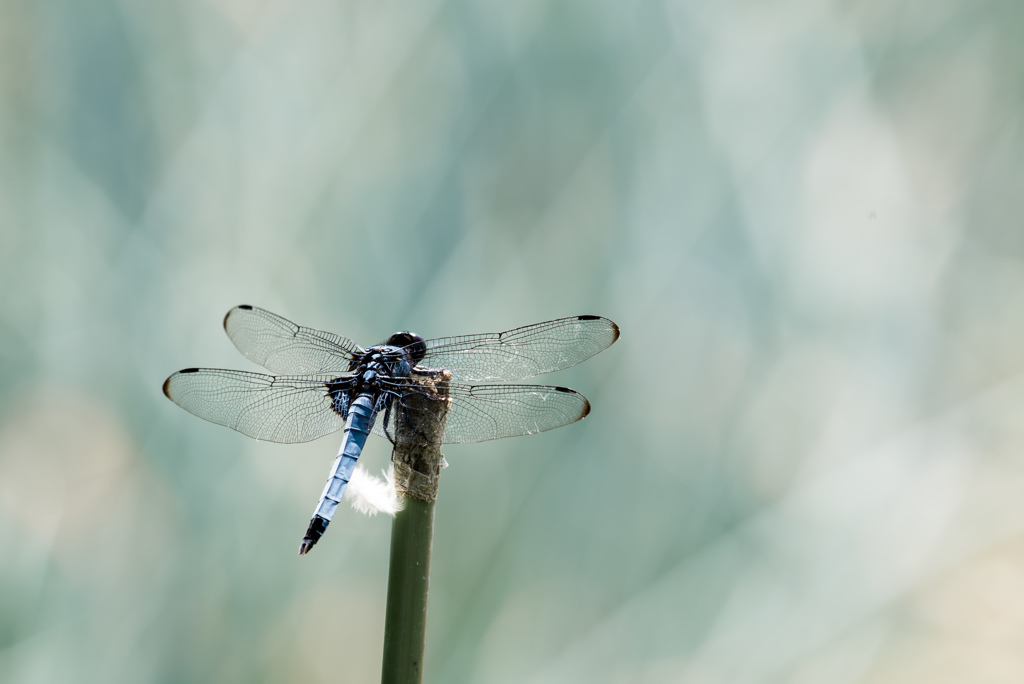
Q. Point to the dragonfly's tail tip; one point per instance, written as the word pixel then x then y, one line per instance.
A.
pixel 313 533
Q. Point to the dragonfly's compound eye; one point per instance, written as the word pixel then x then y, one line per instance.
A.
pixel 412 343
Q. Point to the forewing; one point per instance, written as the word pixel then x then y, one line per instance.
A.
pixel 282 347
pixel 280 408
pixel 483 412
pixel 521 353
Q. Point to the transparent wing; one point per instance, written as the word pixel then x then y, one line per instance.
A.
pixel 483 412
pixel 281 408
pixel 522 352
pixel 282 347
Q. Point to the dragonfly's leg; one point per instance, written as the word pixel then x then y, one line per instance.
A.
pixel 340 404
pixel 387 417
pixel 411 424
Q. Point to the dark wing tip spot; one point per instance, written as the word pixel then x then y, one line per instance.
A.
pixel 615 328
pixel 243 307
pixel 167 382
pixel 586 404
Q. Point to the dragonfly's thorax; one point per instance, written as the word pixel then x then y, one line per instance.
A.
pixel 384 362
pixel 375 370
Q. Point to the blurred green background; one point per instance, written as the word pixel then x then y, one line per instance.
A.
pixel 804 458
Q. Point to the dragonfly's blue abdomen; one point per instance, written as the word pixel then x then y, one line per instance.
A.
pixel 361 415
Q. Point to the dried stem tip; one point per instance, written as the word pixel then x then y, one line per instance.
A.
pixel 419 432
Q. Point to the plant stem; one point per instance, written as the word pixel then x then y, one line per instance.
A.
pixel 405 622
pixel 419 431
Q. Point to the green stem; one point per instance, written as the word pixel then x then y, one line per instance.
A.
pixel 405 626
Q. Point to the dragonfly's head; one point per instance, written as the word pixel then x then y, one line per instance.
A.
pixel 412 343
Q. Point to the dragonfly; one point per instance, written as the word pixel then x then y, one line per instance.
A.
pixel 320 383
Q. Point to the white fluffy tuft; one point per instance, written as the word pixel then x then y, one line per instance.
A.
pixel 371 495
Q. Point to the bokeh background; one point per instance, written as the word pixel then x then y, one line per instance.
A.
pixel 804 462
